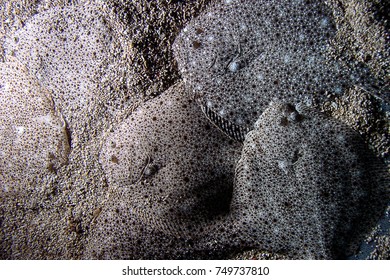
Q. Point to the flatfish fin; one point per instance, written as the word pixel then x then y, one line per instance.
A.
pixel 230 129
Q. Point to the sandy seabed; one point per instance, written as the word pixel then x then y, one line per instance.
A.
pixel 127 59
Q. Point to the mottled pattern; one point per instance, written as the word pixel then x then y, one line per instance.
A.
pixel 306 185
pixel 81 57
pixel 174 172
pixel 33 139
pixel 239 55
pixel 120 168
